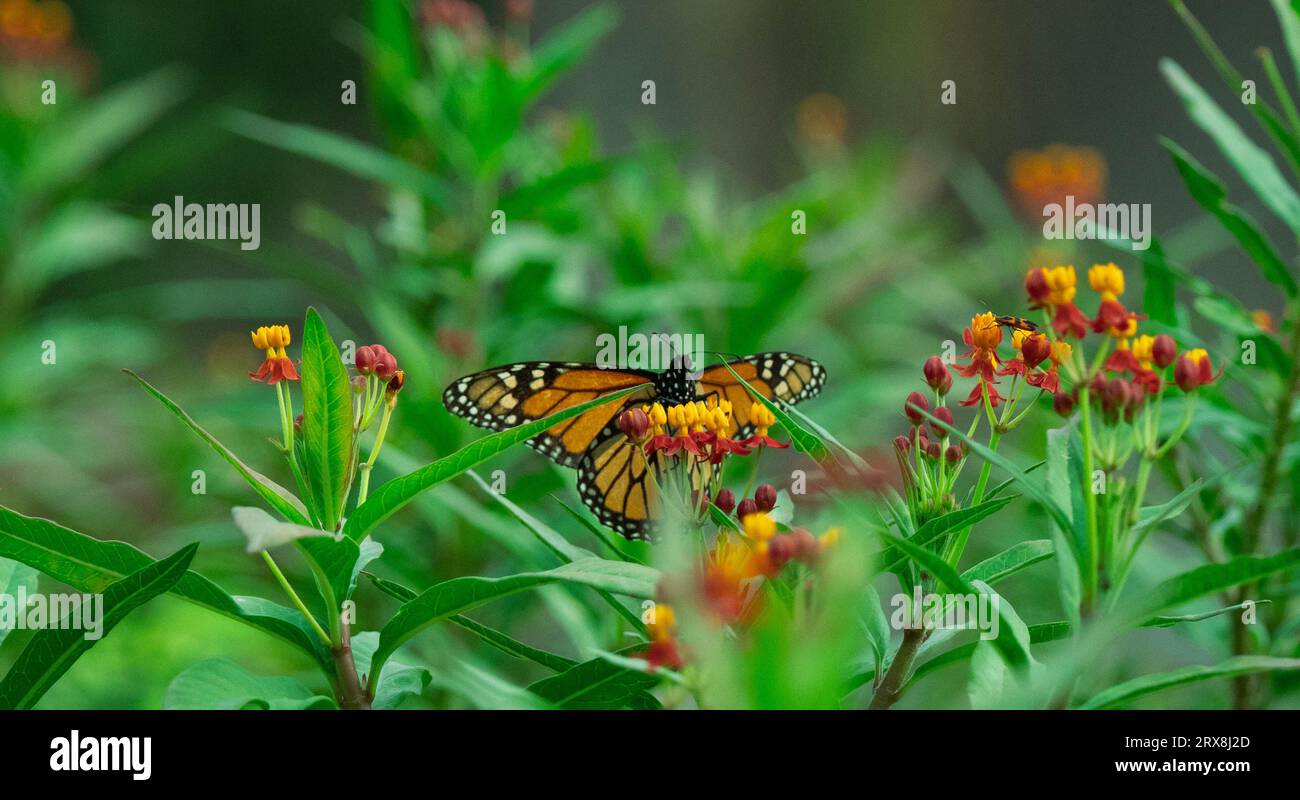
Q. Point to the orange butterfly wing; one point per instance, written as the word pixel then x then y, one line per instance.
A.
pixel 787 377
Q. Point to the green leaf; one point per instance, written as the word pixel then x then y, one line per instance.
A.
pixel 459 595
pixel 387 499
pixel 1253 163
pixel 1069 584
pixel 53 651
pixel 602 533
pixel 1209 193
pixel 564 49
pixel 1288 17
pixel 1010 561
pixel 557 544
pixel 398 681
pixel 265 532
pixel 327 431
pixel 355 158
pixel 876 625
pixel 1013 649
pixel 805 441
pixel 1159 285
pixel 1146 684
pixel 1169 622
pixel 280 498
pixel 64 152
pixel 1038 634
pixel 1209 579
pixel 491 636
pixel 90 565
pixel 953 520
pixel 596 684
pixel 333 563
pixel 511 646
pixel 15 578
pixel 220 684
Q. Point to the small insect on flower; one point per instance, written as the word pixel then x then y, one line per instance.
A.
pixel 1016 323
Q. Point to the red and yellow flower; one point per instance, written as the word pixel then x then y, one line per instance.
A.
pixel 1054 288
pixel 277 366
pixel 982 337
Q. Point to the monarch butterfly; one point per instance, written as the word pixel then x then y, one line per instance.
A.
pixel 613 473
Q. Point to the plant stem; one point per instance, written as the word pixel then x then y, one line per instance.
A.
pixel 351 694
pixel 959 541
pixel 297 601
pixel 364 489
pixel 1090 499
pixel 891 688
pixel 1254 522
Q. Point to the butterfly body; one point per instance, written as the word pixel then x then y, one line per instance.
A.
pixel 613 473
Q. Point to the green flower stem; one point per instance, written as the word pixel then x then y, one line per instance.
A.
pixel 1189 408
pixel 981 483
pixel 1279 88
pixel 297 601
pixel 1090 499
pixel 364 489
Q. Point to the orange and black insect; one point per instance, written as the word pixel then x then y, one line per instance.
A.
pixel 1017 323
pixel 613 472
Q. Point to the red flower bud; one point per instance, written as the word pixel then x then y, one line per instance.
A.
pixel 953 454
pixel 765 497
pixel 918 400
pixel 1189 372
pixel 902 442
pixel 1063 404
pixel 359 384
pixel 780 550
pixel 937 375
pixel 1164 350
pixel 943 415
pixel 634 423
pixel 1036 286
pixel 726 500
pixel 933 450
pixel 805 545
pixel 385 365
pixel 1035 349
pixel 745 508
pixel 365 360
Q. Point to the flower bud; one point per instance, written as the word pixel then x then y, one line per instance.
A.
pixel 1035 349
pixel 385 365
pixel 1063 404
pixel 365 360
pixel 902 442
pixel 359 384
pixel 932 450
pixel 937 375
pixel 805 545
pixel 918 400
pixel 943 414
pixel 726 500
pixel 745 508
pixel 780 550
pixel 765 497
pixel 1036 286
pixel 1164 350
pixel 953 454
pixel 1188 373
pixel 634 423
pixel 297 424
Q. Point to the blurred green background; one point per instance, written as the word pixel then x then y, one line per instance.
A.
pixel 683 222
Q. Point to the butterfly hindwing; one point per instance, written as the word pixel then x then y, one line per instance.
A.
pixel 787 377
pixel 504 397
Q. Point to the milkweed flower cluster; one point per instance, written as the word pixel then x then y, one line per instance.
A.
pixel 1119 385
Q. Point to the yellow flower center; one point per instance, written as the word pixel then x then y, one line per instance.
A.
pixel 1062 284
pixel 1107 280
pixel 1144 350
pixel 985 332
pixel 1061 351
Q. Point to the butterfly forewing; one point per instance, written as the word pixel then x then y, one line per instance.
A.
pixel 787 377
pixel 504 397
